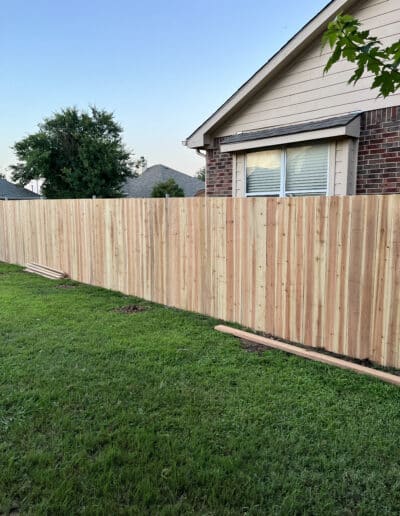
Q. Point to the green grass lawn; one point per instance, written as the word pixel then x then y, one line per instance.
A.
pixel 154 412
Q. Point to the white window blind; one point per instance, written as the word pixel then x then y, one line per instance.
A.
pixel 297 170
pixel 264 172
pixel 307 169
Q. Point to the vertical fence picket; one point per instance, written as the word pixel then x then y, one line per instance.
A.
pixel 324 272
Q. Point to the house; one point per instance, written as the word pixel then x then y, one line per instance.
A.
pixel 13 192
pixel 143 185
pixel 292 130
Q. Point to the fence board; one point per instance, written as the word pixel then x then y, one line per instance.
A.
pixel 321 271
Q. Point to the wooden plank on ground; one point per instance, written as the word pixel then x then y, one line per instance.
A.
pixel 43 270
pixel 311 355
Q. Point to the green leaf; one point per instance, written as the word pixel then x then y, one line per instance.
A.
pixel 349 42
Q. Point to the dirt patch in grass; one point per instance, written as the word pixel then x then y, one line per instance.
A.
pixel 130 309
pixel 65 286
pixel 253 347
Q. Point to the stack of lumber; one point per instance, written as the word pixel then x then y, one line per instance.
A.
pixel 45 271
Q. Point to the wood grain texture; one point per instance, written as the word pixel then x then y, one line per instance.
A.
pixel 322 271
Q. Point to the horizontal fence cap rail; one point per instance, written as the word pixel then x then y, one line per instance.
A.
pixel 211 199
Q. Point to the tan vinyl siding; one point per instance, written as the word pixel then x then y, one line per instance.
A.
pixel 239 175
pixel 304 93
pixel 345 167
pixel 341 164
pixel 352 167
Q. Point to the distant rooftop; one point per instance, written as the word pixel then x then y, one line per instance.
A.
pixel 13 192
pixel 143 185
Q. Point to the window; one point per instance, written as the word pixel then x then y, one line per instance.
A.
pixel 288 171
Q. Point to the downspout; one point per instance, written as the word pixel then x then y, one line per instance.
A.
pixel 203 155
pixel 199 153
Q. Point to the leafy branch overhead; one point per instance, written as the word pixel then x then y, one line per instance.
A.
pixel 348 41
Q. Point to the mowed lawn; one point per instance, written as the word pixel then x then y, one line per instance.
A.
pixel 154 412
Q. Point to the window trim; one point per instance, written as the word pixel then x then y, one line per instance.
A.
pixel 282 192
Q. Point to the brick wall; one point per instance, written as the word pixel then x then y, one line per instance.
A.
pixel 219 173
pixel 379 152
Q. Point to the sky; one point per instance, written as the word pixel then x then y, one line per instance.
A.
pixel 162 67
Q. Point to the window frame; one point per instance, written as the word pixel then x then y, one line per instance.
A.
pixel 282 191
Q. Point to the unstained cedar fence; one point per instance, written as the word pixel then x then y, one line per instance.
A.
pixel 322 271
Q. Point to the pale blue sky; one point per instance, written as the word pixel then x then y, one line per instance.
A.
pixel 161 66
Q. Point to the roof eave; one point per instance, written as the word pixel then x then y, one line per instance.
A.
pixel 351 130
pixel 200 138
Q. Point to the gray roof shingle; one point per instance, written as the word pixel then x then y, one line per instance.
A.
pixel 142 186
pixel 13 192
pixel 328 123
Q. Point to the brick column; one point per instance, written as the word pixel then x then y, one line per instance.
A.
pixel 219 173
pixel 379 152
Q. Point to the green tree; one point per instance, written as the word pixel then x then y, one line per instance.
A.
pixel 348 41
pixel 77 154
pixel 169 187
pixel 201 174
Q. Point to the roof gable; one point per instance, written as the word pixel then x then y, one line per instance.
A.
pixel 13 192
pixel 199 138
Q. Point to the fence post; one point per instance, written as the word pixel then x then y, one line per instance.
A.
pixel 166 268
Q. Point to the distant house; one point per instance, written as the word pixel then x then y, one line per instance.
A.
pixel 293 130
pixel 143 185
pixel 15 193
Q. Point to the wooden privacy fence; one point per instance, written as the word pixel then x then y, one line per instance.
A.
pixel 322 271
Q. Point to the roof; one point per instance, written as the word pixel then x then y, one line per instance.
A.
pixel 327 123
pixel 13 192
pixel 199 138
pixel 142 186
